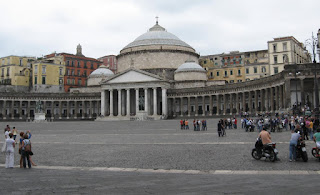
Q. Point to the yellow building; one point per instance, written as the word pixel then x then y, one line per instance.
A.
pixel 15 73
pixel 227 67
pixel 256 64
pixel 47 75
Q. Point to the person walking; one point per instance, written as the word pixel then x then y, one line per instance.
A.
pixel 25 151
pixel 220 127
pixel 293 144
pixel 14 132
pixel 10 144
pixel 186 123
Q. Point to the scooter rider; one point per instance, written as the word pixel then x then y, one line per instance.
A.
pixel 265 137
pixel 316 138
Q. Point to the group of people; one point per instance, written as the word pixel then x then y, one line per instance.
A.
pixel 25 149
pixel 200 125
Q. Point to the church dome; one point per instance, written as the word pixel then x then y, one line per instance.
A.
pixel 190 66
pixel 102 71
pixel 157 35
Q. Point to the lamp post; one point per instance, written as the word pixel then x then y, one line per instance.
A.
pixel 313 42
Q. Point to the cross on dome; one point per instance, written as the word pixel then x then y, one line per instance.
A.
pixel 157 19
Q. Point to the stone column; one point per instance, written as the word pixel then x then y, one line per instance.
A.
pixel 128 102
pixel 111 102
pixel 119 102
pixel 146 106
pixel 302 92
pixel 277 97
pixel 28 109
pixel 243 101
pixel 137 100
pixel 90 109
pixel 83 109
pixel 174 109
pixel 164 102
pixel 75 109
pixel 281 96
pixel 68 109
pixel 20 110
pixel 60 109
pixel 256 102
pixel 52 110
pixel 12 109
pixel 155 105
pixel 203 106
pixel 237 104
pixel 4 109
pixel 210 105
pixel 250 102
pixel 218 104
pixel 98 104
pixel 261 100
pixel 103 103
pixel 287 93
pixel 45 107
pixel 196 105
pixel 189 106
pixel 231 103
pixel 224 104
pixel 181 106
pixel 272 99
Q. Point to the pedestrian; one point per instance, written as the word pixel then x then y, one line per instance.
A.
pixel 7 128
pixel 186 123
pixel 198 125
pixel 194 125
pixel 14 132
pixel 30 157
pixel 10 144
pixel 26 151
pixel 311 129
pixel 293 144
pixel 181 124
pixel 220 127
pixel 20 147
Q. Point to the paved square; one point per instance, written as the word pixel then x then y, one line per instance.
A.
pixel 152 157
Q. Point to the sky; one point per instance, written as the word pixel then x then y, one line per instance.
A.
pixel 104 27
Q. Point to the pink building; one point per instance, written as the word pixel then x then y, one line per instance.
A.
pixel 110 61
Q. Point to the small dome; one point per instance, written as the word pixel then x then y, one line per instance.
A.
pixel 190 66
pixel 102 71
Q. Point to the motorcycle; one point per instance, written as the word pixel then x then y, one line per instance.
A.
pixel 315 153
pixel 301 150
pixel 269 151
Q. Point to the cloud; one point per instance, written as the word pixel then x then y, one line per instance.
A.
pixel 104 27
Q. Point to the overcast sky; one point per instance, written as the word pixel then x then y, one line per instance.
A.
pixel 104 27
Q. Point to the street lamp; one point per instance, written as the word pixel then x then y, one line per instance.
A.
pixel 313 42
pixel 296 109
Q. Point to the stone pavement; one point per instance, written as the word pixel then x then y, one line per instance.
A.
pixel 152 158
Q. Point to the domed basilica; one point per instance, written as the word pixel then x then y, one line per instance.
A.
pixel 155 62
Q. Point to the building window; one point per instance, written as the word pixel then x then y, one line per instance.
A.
pixel 274 47
pixel 275 59
pixel 2 72
pixel 91 65
pixel 78 64
pixel 218 73
pixel 239 81
pixel 35 80
pixel 60 81
pixel 78 73
pixel 285 58
pixel 263 69
pixel 72 72
pixel 43 69
pixel 231 81
pixel 255 70
pixel 79 82
pixel 239 72
pixel 225 73
pixel 205 61
pixel 247 70
pixel 73 81
pixel 20 62
pixel 72 63
pixel 276 70
pixel 43 80
pixel 86 82
pixel 36 69
pixel 8 71
pixel 68 63
pixel 284 46
pixel 231 72
pixel 60 71
pixel 211 74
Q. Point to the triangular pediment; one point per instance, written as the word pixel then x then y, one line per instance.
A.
pixel 133 76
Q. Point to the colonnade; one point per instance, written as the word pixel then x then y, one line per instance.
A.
pixel 253 101
pixel 134 102
pixel 54 109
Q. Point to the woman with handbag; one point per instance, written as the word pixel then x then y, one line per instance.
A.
pixel 10 144
pixel 25 151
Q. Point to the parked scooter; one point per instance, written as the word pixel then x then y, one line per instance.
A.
pixel 269 151
pixel 315 153
pixel 301 150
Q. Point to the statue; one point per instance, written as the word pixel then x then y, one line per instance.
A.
pixel 39 107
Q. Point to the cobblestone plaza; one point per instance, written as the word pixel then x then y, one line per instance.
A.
pixel 131 157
